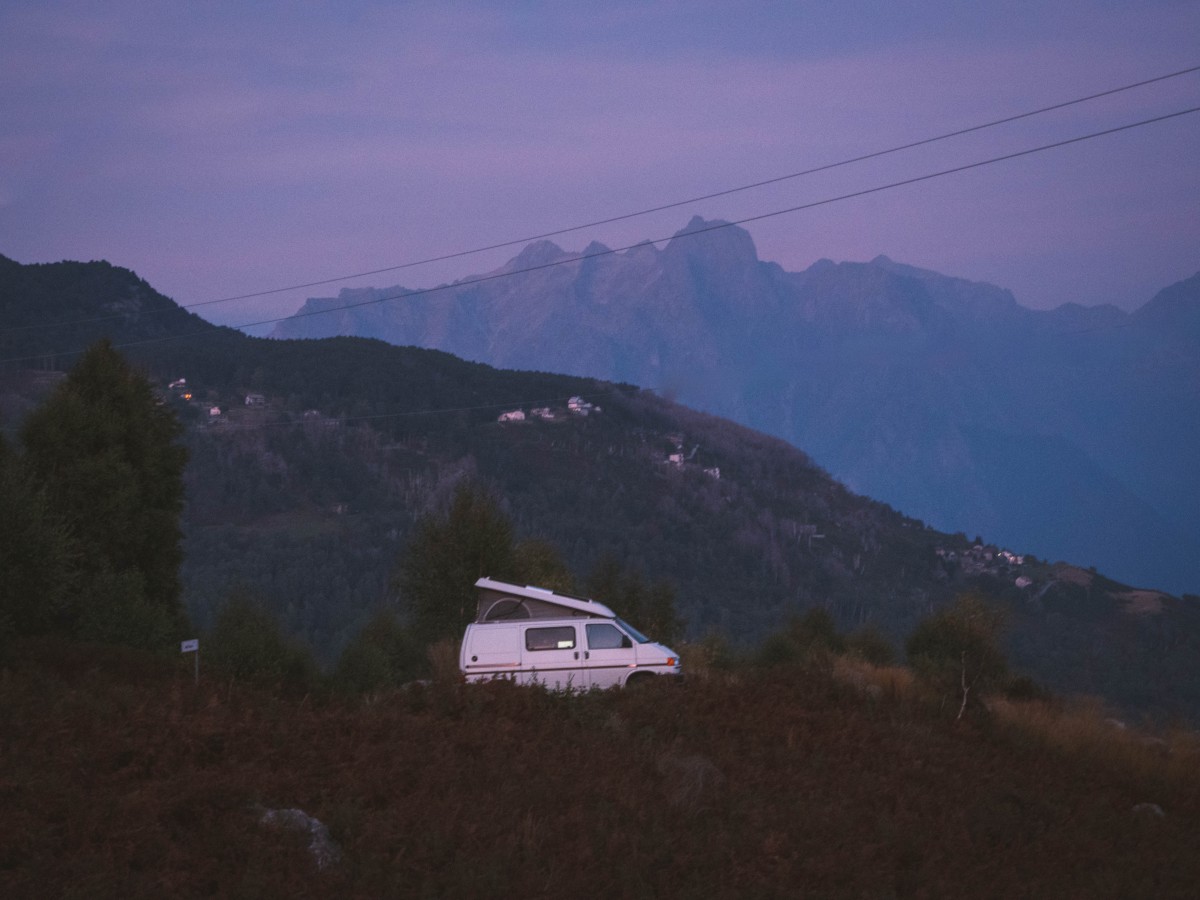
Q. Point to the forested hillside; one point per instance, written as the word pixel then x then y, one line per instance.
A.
pixel 1067 431
pixel 305 499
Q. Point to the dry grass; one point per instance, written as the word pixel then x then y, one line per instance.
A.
pixel 1166 764
pixel 119 777
pixel 1072 574
pixel 1080 732
pixel 1142 603
pixel 443 663
pixel 893 684
pixel 708 660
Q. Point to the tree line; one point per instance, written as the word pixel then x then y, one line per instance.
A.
pixel 90 549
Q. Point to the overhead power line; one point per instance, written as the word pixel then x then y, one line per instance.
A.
pixel 698 199
pixel 654 209
pixel 715 226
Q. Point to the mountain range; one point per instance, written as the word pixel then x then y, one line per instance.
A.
pixel 1070 433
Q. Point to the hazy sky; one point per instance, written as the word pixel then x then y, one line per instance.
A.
pixel 221 148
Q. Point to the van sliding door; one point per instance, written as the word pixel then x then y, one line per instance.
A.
pixel 551 656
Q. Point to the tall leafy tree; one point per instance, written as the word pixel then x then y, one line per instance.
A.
pixel 37 555
pixel 447 554
pixel 538 562
pixel 648 607
pixel 106 453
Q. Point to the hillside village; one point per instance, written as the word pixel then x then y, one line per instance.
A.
pixel 979 559
pixel 970 560
pixel 576 406
pixel 200 406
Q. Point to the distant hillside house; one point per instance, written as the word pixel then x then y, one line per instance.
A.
pixel 256 400
pixel 580 407
pixel 514 415
pixel 542 412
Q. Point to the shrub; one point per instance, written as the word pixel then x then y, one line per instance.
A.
pixel 956 651
pixel 816 629
pixel 808 638
pixel 246 643
pixel 870 645
pixel 443 662
pixel 778 650
pixel 383 655
pixel 1023 689
pixel 711 655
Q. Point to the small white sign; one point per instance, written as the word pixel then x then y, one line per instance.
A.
pixel 191 646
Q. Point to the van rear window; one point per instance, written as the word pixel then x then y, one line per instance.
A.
pixel 560 637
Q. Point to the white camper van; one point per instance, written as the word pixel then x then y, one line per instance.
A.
pixel 533 635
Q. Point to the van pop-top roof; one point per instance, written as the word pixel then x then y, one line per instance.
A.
pixel 503 602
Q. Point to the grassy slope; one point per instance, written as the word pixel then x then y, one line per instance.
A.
pixel 118 776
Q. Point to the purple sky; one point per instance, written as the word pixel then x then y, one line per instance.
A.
pixel 221 148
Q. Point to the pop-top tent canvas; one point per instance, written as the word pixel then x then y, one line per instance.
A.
pixel 499 601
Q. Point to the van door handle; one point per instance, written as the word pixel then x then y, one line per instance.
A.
pixel 577 654
pixel 587 654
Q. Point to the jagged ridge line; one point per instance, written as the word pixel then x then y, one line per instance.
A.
pixel 494 276
pixel 674 205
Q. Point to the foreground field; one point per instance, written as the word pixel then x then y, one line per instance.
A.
pixel 118 776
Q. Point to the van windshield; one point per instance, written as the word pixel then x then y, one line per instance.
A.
pixel 633 632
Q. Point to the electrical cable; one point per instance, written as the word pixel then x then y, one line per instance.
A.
pixel 716 226
pixel 712 196
pixel 666 206
pixel 713 226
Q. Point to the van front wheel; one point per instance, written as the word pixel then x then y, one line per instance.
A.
pixel 638 680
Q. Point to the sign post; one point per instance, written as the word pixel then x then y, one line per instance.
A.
pixel 192 646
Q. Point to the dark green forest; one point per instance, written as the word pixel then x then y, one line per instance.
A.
pixel 307 503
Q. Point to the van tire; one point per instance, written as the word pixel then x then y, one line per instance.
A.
pixel 638 680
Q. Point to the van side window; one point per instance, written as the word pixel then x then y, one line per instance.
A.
pixel 606 637
pixel 561 637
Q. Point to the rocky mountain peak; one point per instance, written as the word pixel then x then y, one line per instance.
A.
pixel 595 248
pixel 715 241
pixel 539 253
